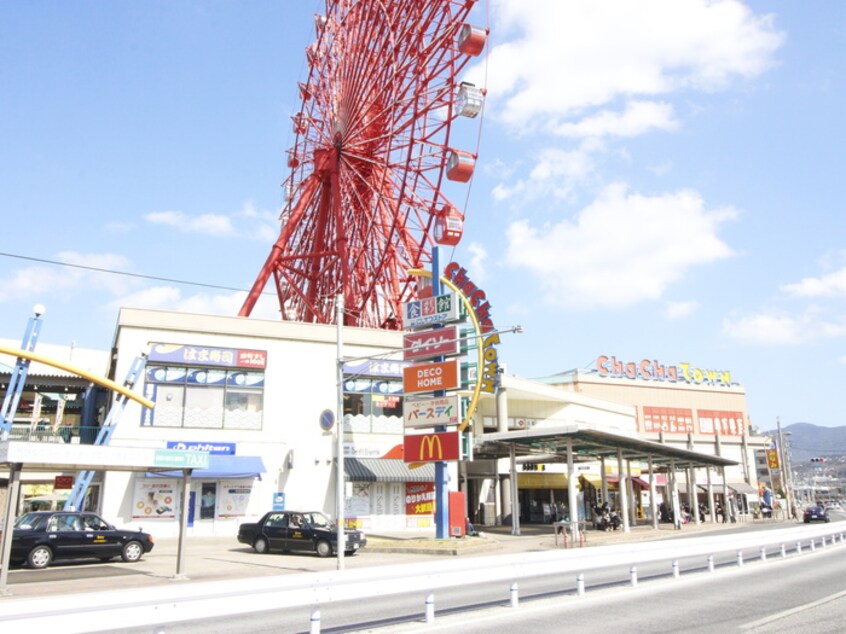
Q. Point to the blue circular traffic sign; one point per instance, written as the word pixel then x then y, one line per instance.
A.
pixel 327 419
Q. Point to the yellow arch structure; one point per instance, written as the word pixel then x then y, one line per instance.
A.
pixel 474 401
pixel 85 374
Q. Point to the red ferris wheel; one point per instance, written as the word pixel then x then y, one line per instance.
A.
pixel 371 157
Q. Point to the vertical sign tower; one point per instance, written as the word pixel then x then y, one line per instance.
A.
pixel 441 474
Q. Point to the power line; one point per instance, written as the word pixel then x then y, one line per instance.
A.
pixel 126 274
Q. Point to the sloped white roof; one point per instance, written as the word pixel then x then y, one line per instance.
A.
pixel 96 361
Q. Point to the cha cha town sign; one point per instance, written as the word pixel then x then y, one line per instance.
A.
pixel 650 370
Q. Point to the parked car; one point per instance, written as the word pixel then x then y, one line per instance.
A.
pixel 283 531
pixel 40 537
pixel 816 513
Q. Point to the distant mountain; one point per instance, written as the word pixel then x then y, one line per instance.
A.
pixel 806 441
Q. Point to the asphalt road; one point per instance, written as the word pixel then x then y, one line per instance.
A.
pixel 223 558
pixel 779 595
pixel 798 594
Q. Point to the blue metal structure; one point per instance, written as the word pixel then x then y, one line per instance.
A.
pixel 17 381
pixel 83 480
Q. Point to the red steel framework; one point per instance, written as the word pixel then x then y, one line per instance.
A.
pixel 370 158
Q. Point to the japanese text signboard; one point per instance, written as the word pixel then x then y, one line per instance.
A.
pixel 441 342
pixel 430 311
pixel 430 412
pixel 436 447
pixel 430 377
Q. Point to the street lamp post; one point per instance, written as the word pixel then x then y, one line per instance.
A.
pixel 339 435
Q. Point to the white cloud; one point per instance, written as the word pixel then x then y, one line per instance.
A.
pixel 561 59
pixel 44 281
pixel 638 118
pixel 554 174
pixel 170 298
pixel 779 329
pixel 661 169
pixel 621 249
pixel 831 285
pixel 679 310
pixel 210 224
pixel 248 222
pixel 478 256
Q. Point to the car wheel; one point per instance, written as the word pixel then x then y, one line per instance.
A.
pixel 40 557
pixel 132 551
pixel 260 546
pixel 323 548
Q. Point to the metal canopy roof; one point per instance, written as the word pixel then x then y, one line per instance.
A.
pixel 549 444
pixel 386 470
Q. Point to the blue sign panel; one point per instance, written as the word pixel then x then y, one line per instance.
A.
pixel 214 448
pixel 278 501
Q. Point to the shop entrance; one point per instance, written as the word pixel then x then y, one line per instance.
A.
pixel 208 500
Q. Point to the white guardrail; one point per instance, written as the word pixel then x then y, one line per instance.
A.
pixel 159 606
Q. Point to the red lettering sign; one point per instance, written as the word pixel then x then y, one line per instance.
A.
pixel 63 482
pixel 431 343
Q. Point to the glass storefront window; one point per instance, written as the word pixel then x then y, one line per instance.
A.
pixel 206 398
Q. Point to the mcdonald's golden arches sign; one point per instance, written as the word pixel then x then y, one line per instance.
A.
pixel 434 447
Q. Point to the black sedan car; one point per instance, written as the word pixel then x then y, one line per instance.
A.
pixel 817 513
pixel 283 531
pixel 41 537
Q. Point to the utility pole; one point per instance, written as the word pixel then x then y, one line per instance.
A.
pixel 339 435
pixel 785 473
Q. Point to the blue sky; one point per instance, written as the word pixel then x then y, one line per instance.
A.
pixel 661 179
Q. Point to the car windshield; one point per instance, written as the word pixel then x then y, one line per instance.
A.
pixel 30 520
pixel 319 520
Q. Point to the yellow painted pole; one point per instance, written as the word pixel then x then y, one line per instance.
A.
pixel 85 374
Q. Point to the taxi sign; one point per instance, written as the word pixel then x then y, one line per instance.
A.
pixel 175 458
pixel 430 377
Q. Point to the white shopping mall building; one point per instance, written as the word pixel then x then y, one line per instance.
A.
pixel 261 396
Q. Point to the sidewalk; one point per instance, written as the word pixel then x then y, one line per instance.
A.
pixel 221 558
pixel 535 537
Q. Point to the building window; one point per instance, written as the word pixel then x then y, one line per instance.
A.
pixel 373 405
pixel 206 398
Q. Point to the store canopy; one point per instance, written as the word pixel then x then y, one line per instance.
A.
pixel 542 480
pixel 386 470
pixel 743 487
pixel 221 467
pixel 588 442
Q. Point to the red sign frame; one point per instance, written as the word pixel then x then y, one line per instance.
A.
pixel 436 447
pixel 63 482
pixel 438 342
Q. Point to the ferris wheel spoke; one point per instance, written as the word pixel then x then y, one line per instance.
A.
pixel 370 151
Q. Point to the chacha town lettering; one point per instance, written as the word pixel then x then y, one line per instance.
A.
pixel 650 370
pixel 481 309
